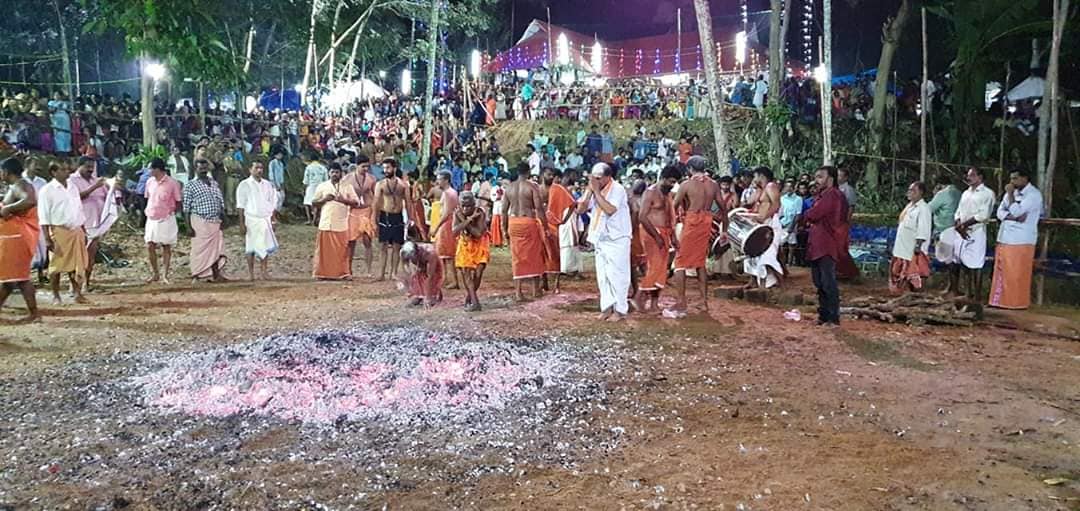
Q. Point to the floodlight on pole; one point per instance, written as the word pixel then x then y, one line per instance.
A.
pixel 406 82
pixel 597 58
pixel 300 88
pixel 740 47
pixel 155 70
pixel 563 47
pixel 821 73
pixel 474 63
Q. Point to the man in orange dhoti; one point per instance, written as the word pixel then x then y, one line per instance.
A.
pixel 560 207
pixel 522 208
pixel 474 248
pixel 1014 256
pixel 19 233
pixel 656 221
pixel 637 249
pixel 361 222
pixel 445 239
pixel 61 216
pixel 333 200
pixel 696 197
pixel 425 283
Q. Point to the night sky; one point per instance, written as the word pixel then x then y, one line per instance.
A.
pixel 856 24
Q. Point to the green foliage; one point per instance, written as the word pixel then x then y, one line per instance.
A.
pixel 143 157
pixel 186 36
pixel 778 114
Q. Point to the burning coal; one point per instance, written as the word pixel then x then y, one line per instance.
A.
pixel 326 376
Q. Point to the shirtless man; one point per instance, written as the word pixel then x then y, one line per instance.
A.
pixel 637 249
pixel 522 207
pixel 656 223
pixel 445 240
pixel 389 202
pixel 765 270
pixel 474 247
pixel 362 218
pixel 19 234
pixel 696 197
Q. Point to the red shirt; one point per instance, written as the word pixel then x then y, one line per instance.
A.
pixel 828 222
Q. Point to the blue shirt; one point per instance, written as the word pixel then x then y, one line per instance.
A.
pixel 277 172
pixel 791 206
pixel 144 176
pixel 457 177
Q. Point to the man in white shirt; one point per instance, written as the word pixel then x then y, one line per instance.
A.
pixel 179 166
pixel 967 238
pixel 575 160
pixel 60 213
pixel 534 160
pixel 761 87
pixel 910 264
pixel 610 234
pixel 257 202
pixel 1014 256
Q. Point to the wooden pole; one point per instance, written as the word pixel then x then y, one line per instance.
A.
pixel 310 53
pixel 333 48
pixel 64 52
pixel 429 87
pixel 1004 122
pixel 826 56
pixel 712 81
pixel 925 105
pixel 551 49
pixel 678 28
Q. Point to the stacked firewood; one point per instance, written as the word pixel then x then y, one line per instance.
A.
pixel 914 309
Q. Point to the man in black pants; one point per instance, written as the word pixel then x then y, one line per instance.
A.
pixel 388 205
pixel 828 221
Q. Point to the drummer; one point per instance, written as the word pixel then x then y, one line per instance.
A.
pixel 696 196
pixel 765 270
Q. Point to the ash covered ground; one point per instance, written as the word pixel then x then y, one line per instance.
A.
pixel 354 412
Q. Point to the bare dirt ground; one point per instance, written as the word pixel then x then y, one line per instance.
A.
pixel 737 409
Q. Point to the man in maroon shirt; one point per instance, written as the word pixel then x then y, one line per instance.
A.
pixel 828 223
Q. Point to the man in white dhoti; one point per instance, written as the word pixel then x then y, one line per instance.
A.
pixel 256 202
pixel 765 270
pixel 610 234
pixel 968 236
pixel 570 259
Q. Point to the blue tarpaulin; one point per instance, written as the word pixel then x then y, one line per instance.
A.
pixel 271 99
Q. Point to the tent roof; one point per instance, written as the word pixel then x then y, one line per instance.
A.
pixel 1031 87
pixel 643 56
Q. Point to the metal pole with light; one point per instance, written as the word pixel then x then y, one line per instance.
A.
pixel 152 72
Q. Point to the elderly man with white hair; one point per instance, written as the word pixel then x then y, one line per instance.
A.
pixel 426 279
pixel 610 233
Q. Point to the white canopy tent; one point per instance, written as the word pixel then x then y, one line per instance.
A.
pixel 1031 87
pixel 347 92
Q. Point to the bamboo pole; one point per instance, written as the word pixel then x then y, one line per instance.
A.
pixel 925 105
pixel 551 49
pixel 332 52
pixel 64 51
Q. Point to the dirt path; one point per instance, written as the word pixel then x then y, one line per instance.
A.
pixel 739 409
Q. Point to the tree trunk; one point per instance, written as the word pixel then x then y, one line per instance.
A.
pixel 202 107
pixel 65 53
pixel 429 87
pixel 708 47
pixel 310 51
pixel 333 47
pixel 146 92
pixel 269 39
pixel 248 47
pixel 890 40
pixel 1051 96
pixel 778 21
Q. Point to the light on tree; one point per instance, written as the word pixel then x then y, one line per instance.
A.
pixel 474 63
pixel 155 70
pixel 597 58
pixel 740 47
pixel 300 88
pixel 821 73
pixel 382 74
pixel 562 45
pixel 406 82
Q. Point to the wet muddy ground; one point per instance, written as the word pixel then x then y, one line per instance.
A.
pixel 732 409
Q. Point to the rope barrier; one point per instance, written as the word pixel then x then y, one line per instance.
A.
pixel 57 84
pixel 50 59
pixel 938 163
